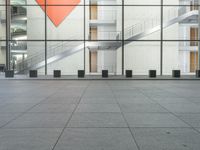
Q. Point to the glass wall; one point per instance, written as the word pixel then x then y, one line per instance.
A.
pixel 2 37
pixel 116 35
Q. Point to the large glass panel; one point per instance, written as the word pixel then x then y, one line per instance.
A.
pixel 67 56
pixel 142 57
pixel 2 36
pixel 35 23
pixel 2 2
pixel 142 23
pixel 27 23
pixel 18 25
pixel 32 58
pixel 103 22
pixel 65 22
pixel 180 55
pixel 180 23
pixel 103 55
pixel 2 22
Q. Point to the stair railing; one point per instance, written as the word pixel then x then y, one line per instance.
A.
pixel 24 65
pixel 141 27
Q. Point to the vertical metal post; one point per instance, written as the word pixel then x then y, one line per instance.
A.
pixel 199 35
pixel 84 34
pixel 45 37
pixel 161 39
pixel 122 37
pixel 8 37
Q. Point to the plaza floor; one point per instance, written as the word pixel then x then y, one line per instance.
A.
pixel 99 115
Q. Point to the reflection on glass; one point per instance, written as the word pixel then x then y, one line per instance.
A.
pixel 142 23
pixel 142 57
pixel 32 58
pixel 67 56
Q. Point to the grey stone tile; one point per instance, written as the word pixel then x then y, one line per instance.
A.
pixel 33 100
pixel 97 120
pixel 182 108
pixel 68 94
pixel 28 139
pixel 62 100
pixel 98 100
pixel 164 100
pixel 129 95
pixel 162 94
pixel 40 120
pixel 96 139
pixel 192 119
pixel 16 107
pixel 167 138
pixel 98 96
pixel 153 120
pixel 2 104
pixel 98 108
pixel 53 108
pixel 6 117
pixel 194 100
pixel 127 107
pixel 198 129
pixel 135 100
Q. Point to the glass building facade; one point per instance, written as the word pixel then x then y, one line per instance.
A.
pixel 93 35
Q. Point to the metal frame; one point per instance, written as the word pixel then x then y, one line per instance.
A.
pixel 45 38
pixel 8 20
pixel 123 38
pixel 122 41
pixel 161 36
pixel 199 37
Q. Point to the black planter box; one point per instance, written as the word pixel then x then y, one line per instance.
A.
pixel 33 74
pixel 176 73
pixel 104 73
pixel 129 73
pixel 9 73
pixel 81 73
pixel 198 73
pixel 2 67
pixel 57 73
pixel 152 73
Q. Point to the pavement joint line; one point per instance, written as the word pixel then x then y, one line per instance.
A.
pixel 175 115
pixel 65 126
pixel 132 134
pixel 22 113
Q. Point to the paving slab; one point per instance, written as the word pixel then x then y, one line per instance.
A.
pixel 191 119
pixel 53 108
pixel 167 138
pixel 28 139
pixel 97 120
pixel 98 108
pixel 153 120
pixel 40 120
pixel 96 139
pixel 148 108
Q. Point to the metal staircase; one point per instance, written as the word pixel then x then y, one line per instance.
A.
pixel 132 33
